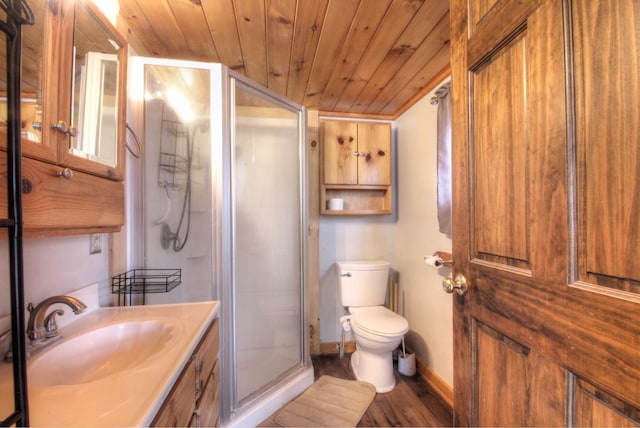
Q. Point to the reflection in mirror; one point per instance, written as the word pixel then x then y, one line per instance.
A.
pixel 32 76
pixel 7 405
pixel 95 94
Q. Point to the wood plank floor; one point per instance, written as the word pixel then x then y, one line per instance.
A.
pixel 411 404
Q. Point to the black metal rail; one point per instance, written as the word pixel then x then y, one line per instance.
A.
pixel 18 14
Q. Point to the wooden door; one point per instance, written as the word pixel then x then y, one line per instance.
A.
pixel 340 145
pixel 374 149
pixel 546 159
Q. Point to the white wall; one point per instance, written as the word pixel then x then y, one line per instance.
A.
pixel 347 238
pixel 427 308
pixel 402 239
pixel 55 266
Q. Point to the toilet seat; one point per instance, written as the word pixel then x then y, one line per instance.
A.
pixel 378 320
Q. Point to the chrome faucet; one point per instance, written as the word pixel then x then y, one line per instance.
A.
pixel 42 328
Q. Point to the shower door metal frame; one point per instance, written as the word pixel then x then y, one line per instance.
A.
pixel 228 296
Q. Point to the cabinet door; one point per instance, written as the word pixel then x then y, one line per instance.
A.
pixel 92 93
pixel 178 409
pixel 340 145
pixel 40 61
pixel 374 149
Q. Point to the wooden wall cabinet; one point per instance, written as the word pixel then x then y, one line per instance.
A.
pixel 356 167
pixel 194 400
pixel 73 121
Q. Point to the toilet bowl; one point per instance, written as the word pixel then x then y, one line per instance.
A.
pixel 377 330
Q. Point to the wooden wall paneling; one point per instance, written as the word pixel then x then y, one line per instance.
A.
pixel 250 19
pixel 170 33
pixel 406 82
pixel 338 19
pixel 151 39
pixel 193 25
pixel 338 49
pixel 32 51
pixel 280 16
pixel 365 23
pixel 398 16
pixel 221 20
pixel 426 23
pixel 309 20
pixel 313 250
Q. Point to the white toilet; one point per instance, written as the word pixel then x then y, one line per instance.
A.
pixel 362 288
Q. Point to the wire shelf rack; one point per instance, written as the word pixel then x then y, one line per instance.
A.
pixel 145 281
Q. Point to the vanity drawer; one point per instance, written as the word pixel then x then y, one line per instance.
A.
pixel 178 408
pixel 194 399
pixel 206 355
pixel 207 411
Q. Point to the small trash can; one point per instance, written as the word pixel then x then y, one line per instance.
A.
pixel 407 364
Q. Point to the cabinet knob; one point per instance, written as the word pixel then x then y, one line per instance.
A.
pixel 358 153
pixel 65 173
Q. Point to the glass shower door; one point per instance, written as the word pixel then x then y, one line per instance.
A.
pixel 268 249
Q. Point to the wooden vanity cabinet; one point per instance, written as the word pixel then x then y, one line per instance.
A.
pixel 194 400
pixel 66 190
pixel 356 167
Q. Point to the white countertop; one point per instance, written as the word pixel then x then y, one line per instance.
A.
pixel 131 397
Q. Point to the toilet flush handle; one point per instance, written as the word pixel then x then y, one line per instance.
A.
pixel 348 274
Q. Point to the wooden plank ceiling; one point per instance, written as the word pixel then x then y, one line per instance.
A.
pixel 352 57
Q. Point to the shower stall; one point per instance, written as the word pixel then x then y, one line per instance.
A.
pixel 222 185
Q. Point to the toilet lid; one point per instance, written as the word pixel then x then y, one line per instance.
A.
pixel 379 320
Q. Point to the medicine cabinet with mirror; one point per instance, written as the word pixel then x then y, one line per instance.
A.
pixel 73 68
pixel 72 120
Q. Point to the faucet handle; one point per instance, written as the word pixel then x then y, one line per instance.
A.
pixel 50 323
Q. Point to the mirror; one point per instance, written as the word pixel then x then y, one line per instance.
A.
pixel 96 100
pixel 32 74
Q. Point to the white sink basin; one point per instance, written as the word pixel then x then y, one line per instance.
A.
pixel 99 353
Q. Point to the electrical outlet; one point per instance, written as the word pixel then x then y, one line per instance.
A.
pixel 95 243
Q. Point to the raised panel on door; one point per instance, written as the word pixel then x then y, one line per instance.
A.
pixel 499 164
pixel 597 408
pixel 516 386
pixel 606 48
pixel 339 139
pixel 374 148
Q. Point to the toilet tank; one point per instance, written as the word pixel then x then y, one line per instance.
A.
pixel 363 283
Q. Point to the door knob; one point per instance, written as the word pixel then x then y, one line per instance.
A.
pixel 458 284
